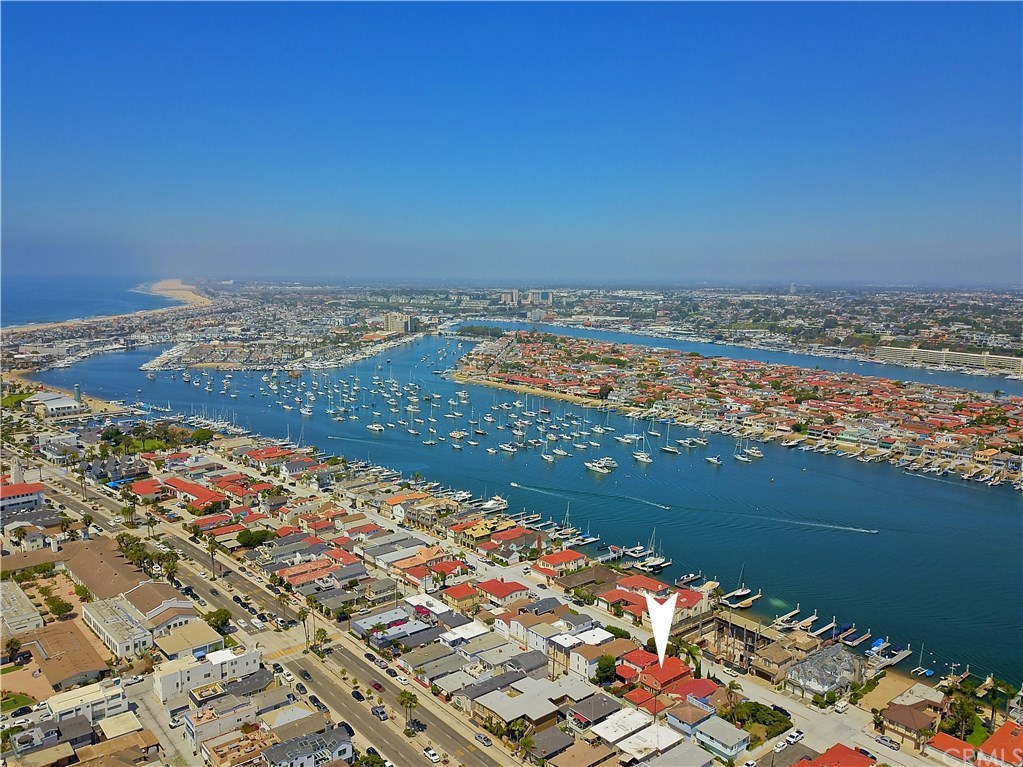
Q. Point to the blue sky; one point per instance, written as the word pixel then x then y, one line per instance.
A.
pixel 679 142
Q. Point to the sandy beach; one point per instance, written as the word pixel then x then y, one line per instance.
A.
pixel 97 405
pixel 179 291
pixel 174 289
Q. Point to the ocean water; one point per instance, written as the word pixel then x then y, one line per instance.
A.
pixel 942 568
pixel 28 299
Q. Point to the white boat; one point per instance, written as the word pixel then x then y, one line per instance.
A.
pixel 597 467
pixel 714 459
pixel 374 427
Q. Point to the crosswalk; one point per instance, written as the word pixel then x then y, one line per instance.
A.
pixel 284 652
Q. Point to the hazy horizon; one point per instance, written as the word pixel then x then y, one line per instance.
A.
pixel 545 144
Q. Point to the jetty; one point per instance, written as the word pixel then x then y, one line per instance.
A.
pixel 824 629
pixel 808 622
pixel 613 553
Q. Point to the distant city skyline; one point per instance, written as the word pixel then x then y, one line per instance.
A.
pixel 529 144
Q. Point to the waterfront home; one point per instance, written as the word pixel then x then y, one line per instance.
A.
pixel 664 678
pixel 904 721
pixel 832 669
pixel 1004 747
pixel 583 658
pixel 956 752
pixel 559 563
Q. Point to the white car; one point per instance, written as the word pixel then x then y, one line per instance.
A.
pixel 402 679
pixel 794 737
pixel 130 680
pixel 731 671
pixel 288 676
pixel 430 754
pixel 781 745
pixel 177 721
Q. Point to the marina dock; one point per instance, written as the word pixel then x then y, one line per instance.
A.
pixel 823 629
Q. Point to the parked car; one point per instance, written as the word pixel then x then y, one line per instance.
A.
pixel 782 711
pixel 20 711
pixel 841 707
pixel 301 689
pixel 484 739
pixel 867 753
pixel 345 726
pixel 402 679
pixel 373 751
pixel 305 675
pixel 794 737
pixel 430 754
pixel 391 673
pixel 369 656
pixel 320 706
pixel 750 763
pixel 417 725
pixel 288 676
pixel 130 680
pixel 176 721
pixel 358 696
pixel 380 663
pixel 214 592
pixel 380 713
pixel 781 745
pixel 23 723
pixel 277 668
pixel 884 740
pixel 731 671
pixel 237 599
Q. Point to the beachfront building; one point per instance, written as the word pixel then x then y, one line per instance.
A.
pixel 50 404
pixel 177 677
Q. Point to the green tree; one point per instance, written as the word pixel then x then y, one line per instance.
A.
pixel 408 702
pixel 282 605
pixel 526 746
pixel 303 614
pixel 202 436
pixel 218 619
pixel 213 547
pixel 83 593
pixel 58 607
pixel 87 519
pixel 320 636
pixel 150 524
pixel 605 673
pixel 11 646
pixel 731 695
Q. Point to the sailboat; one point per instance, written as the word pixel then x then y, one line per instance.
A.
pixel 739 454
pixel 642 455
pixel 545 455
pixel 667 447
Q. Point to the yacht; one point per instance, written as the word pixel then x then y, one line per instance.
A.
pixel 597 467
pixel 374 427
pixel 714 459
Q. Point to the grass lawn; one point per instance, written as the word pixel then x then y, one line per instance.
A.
pixel 12 702
pixel 13 400
pixel 9 668
pixel 229 641
pixel 979 734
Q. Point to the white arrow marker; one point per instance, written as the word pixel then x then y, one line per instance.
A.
pixel 662 616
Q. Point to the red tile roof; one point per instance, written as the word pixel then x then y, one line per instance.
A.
pixel 501 589
pixel 952 746
pixel 21 488
pixel 840 755
pixel 1005 743
pixel 460 591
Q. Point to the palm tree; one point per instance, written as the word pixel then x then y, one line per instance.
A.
pixel 730 693
pixel 212 547
pixel 878 721
pixel 303 613
pixel 11 647
pixel 150 523
pixel 409 702
pixel 282 605
pixel 525 747
pixel 87 519
pixel 997 686
pixel 170 566
pixel 923 736
pixel 17 535
pixel 320 636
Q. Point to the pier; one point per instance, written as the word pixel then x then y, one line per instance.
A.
pixel 615 552
pixel 824 629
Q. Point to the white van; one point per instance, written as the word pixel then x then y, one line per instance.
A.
pixel 257 624
pixel 841 707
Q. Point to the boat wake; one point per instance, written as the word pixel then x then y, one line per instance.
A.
pixel 569 493
pixel 932 479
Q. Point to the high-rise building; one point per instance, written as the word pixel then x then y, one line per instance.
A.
pixel 395 322
pixel 537 297
pixel 510 297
